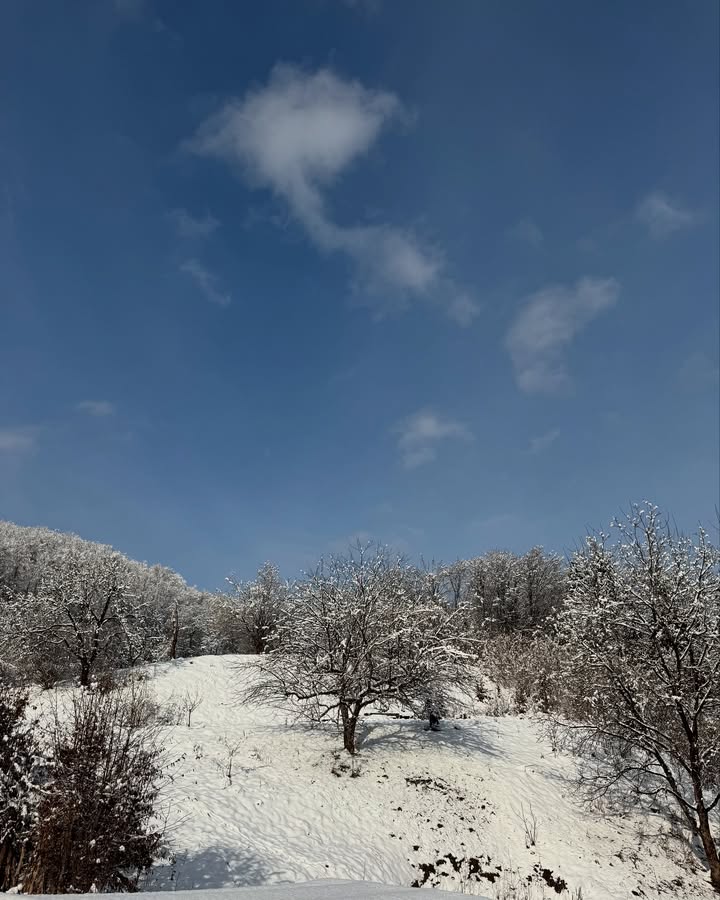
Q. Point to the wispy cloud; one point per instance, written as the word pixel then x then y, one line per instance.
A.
pixel 528 232
pixel 296 136
pixel 420 435
pixel 141 12
pixel 367 6
pixel 206 281
pixel 662 217
pixel 131 9
pixel 17 440
pixel 463 310
pixel 98 408
pixel 700 371
pixel 189 226
pixel 543 441
pixel 547 323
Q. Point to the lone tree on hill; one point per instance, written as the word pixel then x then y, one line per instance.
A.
pixel 362 630
pixel 641 627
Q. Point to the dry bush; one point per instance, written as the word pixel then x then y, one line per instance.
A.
pixel 95 828
pixel 19 764
pixel 529 666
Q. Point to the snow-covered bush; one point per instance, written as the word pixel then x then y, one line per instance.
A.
pixel 95 828
pixel 19 762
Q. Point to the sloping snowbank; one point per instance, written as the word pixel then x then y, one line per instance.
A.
pixel 482 807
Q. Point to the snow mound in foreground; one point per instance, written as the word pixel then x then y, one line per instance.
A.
pixel 310 890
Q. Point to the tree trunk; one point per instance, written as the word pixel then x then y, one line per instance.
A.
pixel 703 819
pixel 710 847
pixel 175 633
pixel 349 721
pixel 84 672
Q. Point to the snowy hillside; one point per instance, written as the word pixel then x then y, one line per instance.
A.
pixel 481 807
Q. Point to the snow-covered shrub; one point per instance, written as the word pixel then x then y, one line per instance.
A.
pixel 95 828
pixel 19 762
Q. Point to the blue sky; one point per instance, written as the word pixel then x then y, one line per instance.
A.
pixel 275 276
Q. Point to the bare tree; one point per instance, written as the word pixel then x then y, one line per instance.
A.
pixel 454 582
pixel 362 630
pixel 226 763
pixel 189 702
pixel 641 629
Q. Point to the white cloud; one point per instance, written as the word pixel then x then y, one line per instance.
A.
pixel 97 408
pixel 296 136
pixel 527 231
pixel 17 440
pixel 547 323
pixel 206 281
pixel 189 226
pixel 420 434
pixel 662 217
pixel 543 441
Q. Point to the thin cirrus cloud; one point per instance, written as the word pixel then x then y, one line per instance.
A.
pixel 206 281
pixel 527 232
pixel 190 227
pixel 420 435
pixel 17 440
pixel 662 217
pixel 97 408
pixel 543 441
pixel 547 324
pixel 296 136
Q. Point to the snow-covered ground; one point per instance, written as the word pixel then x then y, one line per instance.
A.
pixel 482 807
pixel 327 889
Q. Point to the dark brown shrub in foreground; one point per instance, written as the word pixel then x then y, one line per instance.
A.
pixel 18 770
pixel 95 829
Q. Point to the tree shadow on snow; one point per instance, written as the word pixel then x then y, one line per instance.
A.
pixel 464 736
pixel 215 867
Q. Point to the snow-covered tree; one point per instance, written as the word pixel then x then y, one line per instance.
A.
pixel 363 630
pixel 257 606
pixel 513 593
pixel 641 631
pixel 453 582
pixel 81 615
pixel 69 606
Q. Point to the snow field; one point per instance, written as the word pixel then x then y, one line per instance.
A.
pixel 458 809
